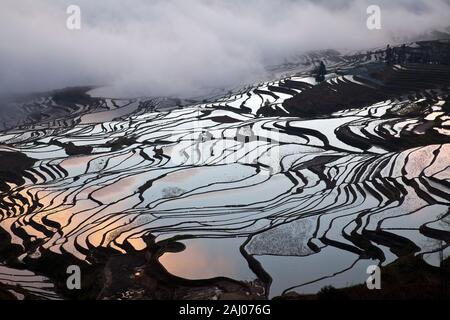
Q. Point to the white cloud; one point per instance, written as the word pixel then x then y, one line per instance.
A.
pixel 179 47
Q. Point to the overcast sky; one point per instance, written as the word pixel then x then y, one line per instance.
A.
pixel 186 47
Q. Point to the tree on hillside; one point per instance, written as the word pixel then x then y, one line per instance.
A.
pixel 389 55
pixel 321 72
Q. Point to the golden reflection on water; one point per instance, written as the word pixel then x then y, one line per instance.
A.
pixel 208 258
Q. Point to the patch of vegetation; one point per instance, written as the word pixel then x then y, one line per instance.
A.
pixel 74 95
pixel 6 295
pixel 411 110
pixel 408 278
pixel 330 293
pixel 120 142
pixel 71 149
pixel 12 166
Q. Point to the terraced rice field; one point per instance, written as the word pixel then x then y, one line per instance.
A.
pixel 254 187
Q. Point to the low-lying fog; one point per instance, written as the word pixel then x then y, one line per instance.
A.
pixel 186 48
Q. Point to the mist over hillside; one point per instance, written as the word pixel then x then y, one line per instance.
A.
pixel 185 48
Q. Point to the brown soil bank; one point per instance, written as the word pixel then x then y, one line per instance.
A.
pixel 408 278
pixel 380 83
pixel 12 167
